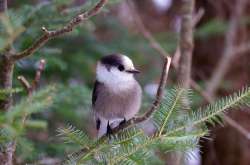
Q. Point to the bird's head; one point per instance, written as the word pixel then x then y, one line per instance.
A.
pixel 115 68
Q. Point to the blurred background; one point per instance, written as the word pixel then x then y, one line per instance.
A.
pixel 221 38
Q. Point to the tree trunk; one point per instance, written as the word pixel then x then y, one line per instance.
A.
pixel 185 63
pixel 6 74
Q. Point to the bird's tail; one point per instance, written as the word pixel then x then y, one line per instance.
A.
pixel 104 124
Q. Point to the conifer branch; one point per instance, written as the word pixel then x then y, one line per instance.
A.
pixel 59 32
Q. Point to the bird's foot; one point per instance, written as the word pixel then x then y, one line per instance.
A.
pixel 109 130
pixel 123 121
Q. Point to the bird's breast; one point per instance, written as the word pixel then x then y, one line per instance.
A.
pixel 117 103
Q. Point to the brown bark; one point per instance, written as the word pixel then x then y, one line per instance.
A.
pixel 6 73
pixel 186 43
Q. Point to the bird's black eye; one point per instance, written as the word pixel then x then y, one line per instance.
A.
pixel 121 68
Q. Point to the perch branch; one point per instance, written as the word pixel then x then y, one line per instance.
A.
pixel 59 32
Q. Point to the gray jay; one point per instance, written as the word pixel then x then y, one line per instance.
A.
pixel 116 95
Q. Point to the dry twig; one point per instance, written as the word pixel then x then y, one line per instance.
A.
pixel 31 88
pixel 197 16
pixel 227 56
pixel 142 29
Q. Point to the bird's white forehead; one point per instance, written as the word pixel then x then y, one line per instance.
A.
pixel 127 62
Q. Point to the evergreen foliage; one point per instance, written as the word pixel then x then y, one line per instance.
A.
pixel 70 61
pixel 17 120
pixel 133 146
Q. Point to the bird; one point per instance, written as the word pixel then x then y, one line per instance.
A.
pixel 116 95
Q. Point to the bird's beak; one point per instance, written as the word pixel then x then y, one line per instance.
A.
pixel 133 71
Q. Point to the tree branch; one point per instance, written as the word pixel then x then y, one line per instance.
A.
pixel 25 84
pixel 197 16
pixel 142 29
pixel 186 43
pixel 31 88
pixel 224 63
pixel 41 67
pixel 55 33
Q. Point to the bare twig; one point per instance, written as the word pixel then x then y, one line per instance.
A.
pixel 52 34
pixel 25 84
pixel 31 88
pixel 41 67
pixel 237 127
pixel 197 16
pixel 139 24
pixel 227 55
pixel 242 48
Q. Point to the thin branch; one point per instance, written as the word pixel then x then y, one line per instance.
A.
pixel 55 33
pixel 242 48
pixel 197 16
pixel 139 24
pixel 227 56
pixel 237 127
pixel 31 88
pixel 228 119
pixel 41 67
pixel 25 84
pixel 229 53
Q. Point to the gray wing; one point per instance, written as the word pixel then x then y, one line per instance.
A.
pixel 95 92
pixel 94 98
